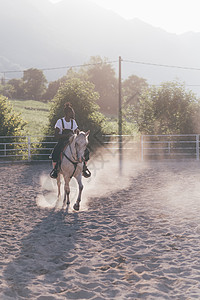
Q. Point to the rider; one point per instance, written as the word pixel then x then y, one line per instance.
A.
pixel 64 128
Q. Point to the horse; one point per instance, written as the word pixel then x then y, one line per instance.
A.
pixel 72 165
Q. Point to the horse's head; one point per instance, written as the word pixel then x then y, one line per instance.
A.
pixel 81 142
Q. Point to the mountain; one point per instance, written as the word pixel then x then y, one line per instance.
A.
pixel 29 39
pixel 40 34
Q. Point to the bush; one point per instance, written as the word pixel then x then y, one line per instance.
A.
pixel 11 123
pixel 83 98
pixel 168 109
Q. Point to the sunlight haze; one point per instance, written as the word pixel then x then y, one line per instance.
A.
pixel 174 16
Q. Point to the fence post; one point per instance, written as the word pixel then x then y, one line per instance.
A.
pixel 142 148
pixel 169 147
pixel 29 148
pixel 5 149
pixel 197 147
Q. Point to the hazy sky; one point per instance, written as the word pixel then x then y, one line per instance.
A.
pixel 176 16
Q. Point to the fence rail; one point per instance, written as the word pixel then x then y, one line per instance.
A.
pixel 170 146
pixel 25 148
pixel 39 148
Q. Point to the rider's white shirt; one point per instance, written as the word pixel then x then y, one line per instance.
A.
pixel 67 125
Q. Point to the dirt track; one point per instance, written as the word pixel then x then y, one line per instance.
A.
pixel 141 241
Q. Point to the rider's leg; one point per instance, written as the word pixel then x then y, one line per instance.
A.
pixel 87 154
pixel 55 157
pixel 86 173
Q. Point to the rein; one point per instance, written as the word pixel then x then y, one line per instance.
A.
pixel 75 163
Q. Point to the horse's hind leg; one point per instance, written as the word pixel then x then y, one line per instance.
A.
pixel 58 184
pixel 77 204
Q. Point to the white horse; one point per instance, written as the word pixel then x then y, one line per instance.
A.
pixel 72 165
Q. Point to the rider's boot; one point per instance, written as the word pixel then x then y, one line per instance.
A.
pixel 86 173
pixel 54 172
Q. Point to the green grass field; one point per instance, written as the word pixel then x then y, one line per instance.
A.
pixel 35 113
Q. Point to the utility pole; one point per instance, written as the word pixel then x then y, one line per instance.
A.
pixel 120 120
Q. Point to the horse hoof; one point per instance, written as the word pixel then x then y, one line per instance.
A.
pixel 76 206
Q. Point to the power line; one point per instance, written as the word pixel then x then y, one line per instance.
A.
pixel 161 65
pixel 58 68
pixel 108 62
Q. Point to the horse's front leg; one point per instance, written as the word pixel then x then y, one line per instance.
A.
pixel 66 191
pixel 77 204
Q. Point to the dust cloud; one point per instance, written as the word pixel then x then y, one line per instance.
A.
pixel 108 176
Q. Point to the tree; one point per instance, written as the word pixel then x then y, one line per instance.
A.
pixel 34 84
pixel 82 96
pixel 18 89
pixel 168 109
pixel 81 74
pixel 11 123
pixel 6 90
pixel 102 75
pixel 52 90
pixel 132 88
pixel 54 86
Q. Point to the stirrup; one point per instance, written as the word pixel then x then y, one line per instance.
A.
pixel 86 173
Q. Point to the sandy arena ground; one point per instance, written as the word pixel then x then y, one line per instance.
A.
pixel 135 237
